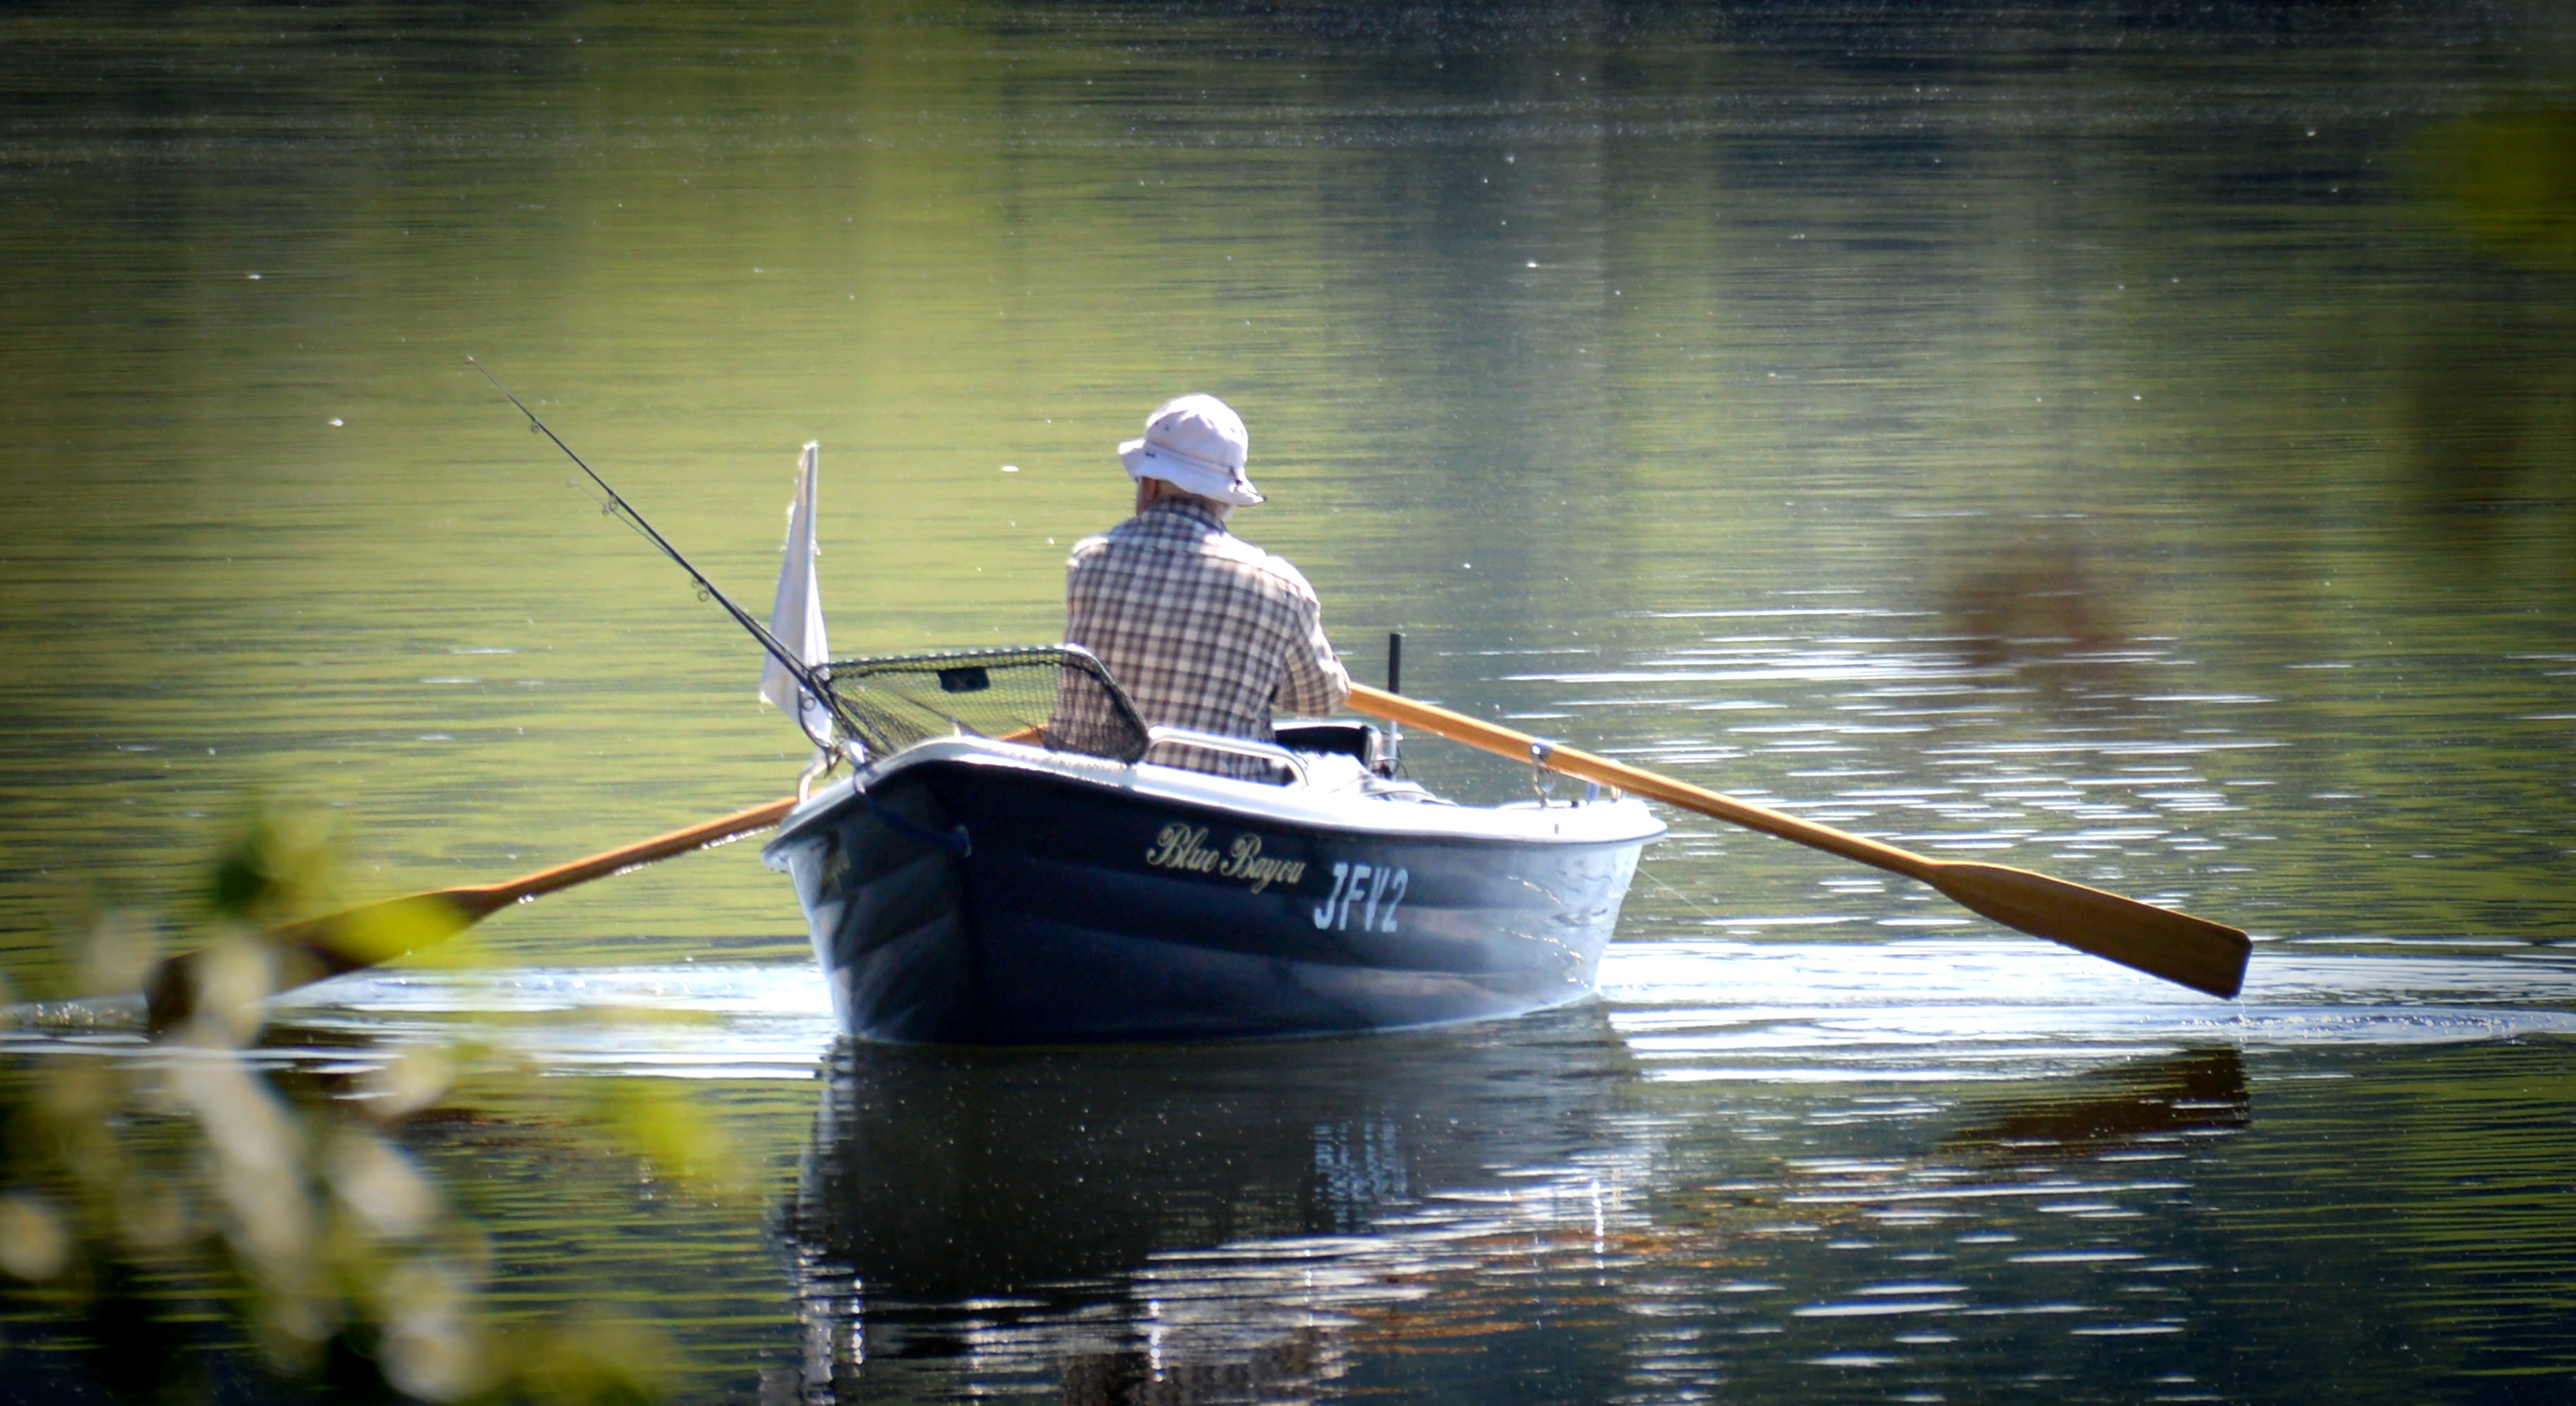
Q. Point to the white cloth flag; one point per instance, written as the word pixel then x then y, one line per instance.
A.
pixel 796 620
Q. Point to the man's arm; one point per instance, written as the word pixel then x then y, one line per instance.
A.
pixel 1314 682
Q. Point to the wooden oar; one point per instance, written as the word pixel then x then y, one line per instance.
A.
pixel 2195 952
pixel 378 932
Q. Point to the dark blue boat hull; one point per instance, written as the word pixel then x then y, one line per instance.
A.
pixel 1080 910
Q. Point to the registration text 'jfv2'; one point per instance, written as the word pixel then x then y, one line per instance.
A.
pixel 1371 892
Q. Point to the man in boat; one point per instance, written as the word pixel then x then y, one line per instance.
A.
pixel 1203 629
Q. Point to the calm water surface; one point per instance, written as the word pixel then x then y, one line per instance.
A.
pixel 2132 442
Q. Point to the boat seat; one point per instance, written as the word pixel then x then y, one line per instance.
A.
pixel 1342 737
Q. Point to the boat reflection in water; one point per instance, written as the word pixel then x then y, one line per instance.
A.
pixel 1303 1219
pixel 1175 1223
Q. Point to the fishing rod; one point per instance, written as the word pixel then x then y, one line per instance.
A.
pixel 813 684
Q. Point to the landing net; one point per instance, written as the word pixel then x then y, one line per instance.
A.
pixel 1051 695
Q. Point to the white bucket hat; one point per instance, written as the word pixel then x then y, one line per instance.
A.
pixel 1195 443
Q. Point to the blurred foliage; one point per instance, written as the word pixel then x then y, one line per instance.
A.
pixel 674 1136
pixel 203 1181
pixel 275 866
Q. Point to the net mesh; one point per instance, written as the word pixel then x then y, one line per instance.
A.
pixel 900 700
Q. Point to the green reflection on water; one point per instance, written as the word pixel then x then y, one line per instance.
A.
pixel 1678 318
pixel 2135 447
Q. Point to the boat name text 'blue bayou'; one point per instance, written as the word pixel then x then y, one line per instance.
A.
pixel 1185 847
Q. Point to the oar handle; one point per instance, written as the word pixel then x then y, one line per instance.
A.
pixel 599 866
pixel 1503 741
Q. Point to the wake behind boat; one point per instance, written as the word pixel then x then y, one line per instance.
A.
pixel 973 885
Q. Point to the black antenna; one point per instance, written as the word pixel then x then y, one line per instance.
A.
pixel 806 679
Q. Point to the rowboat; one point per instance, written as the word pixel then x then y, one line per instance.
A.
pixel 978 881
pixel 1115 898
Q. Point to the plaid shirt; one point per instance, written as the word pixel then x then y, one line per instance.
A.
pixel 1203 630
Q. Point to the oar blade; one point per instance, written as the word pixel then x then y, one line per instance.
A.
pixel 2178 947
pixel 379 932
pixel 322 947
